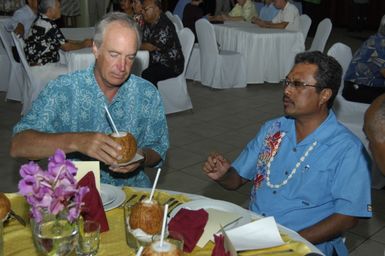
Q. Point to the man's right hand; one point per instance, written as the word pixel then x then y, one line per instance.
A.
pixel 99 146
pixel 216 166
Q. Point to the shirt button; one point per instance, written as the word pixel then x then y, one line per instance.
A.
pixel 274 192
pixel 294 150
pixel 263 214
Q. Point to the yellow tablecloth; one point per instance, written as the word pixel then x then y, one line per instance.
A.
pixel 18 239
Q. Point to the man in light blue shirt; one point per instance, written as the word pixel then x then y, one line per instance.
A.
pixel 268 11
pixel 308 170
pixel 69 113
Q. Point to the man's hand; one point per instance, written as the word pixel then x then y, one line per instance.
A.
pixel 258 22
pixel 99 146
pixel 149 47
pixel 87 43
pixel 216 166
pixel 19 30
pixel 126 168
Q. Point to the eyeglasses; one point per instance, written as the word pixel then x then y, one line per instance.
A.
pixel 296 84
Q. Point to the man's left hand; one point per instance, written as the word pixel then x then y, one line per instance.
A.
pixel 126 168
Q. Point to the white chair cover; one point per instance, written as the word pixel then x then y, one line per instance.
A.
pixel 37 76
pixel 14 85
pixel 351 114
pixel 193 71
pixel 178 23
pixel 219 69
pixel 321 35
pixel 304 25
pixel 174 90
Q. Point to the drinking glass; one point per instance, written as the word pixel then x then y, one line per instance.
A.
pixel 89 238
pixel 54 236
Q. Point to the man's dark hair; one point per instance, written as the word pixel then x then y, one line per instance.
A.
pixel 328 74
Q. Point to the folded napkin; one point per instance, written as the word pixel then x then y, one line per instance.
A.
pixel 190 225
pixel 219 248
pixel 93 205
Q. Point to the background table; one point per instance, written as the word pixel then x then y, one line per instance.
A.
pixel 269 53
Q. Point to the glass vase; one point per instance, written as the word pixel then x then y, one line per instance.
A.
pixel 54 235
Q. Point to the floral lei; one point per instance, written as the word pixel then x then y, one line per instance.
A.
pixel 270 148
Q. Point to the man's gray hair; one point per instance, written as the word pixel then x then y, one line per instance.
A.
pixel 44 5
pixel 377 123
pixel 120 17
pixel 381 28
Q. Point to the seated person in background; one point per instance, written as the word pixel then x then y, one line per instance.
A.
pixel 365 77
pixel 138 16
pixel 126 6
pixel 193 12
pixel 161 40
pixel 45 38
pixel 374 128
pixel 307 169
pixel 22 19
pixel 244 10
pixel 287 17
pixel 69 113
pixel 268 11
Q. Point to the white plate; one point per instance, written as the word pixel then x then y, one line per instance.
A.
pixel 217 205
pixel 136 158
pixel 107 195
pixel 119 197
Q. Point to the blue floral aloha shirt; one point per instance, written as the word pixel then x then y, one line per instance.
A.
pixel 75 103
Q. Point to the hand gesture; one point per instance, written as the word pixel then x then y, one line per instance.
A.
pixel 216 166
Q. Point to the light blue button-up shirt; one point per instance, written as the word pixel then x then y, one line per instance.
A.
pixel 75 103
pixel 333 178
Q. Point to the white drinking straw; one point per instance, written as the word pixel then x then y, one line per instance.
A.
pixel 163 225
pixel 154 185
pixel 112 121
pixel 139 252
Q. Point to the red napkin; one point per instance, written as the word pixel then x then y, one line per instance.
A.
pixel 219 248
pixel 92 208
pixel 190 225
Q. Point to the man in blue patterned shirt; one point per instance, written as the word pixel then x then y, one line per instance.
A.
pixel 69 113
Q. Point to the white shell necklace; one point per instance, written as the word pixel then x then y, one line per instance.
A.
pixel 285 181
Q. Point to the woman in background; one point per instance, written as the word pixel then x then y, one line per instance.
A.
pixel 244 10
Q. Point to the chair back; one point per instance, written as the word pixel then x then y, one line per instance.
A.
pixel 321 35
pixel 178 23
pixel 207 44
pixel 29 81
pixel 16 83
pixel 304 25
pixel 186 38
pixel 169 15
pixel 6 38
pixel 343 54
pixel 19 43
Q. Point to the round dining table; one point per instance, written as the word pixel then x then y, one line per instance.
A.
pixel 18 238
pixel 269 53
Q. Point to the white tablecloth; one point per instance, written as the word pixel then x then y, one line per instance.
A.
pixel 269 53
pixel 81 59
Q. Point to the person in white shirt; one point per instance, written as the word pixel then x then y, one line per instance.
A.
pixel 287 17
pixel 22 19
